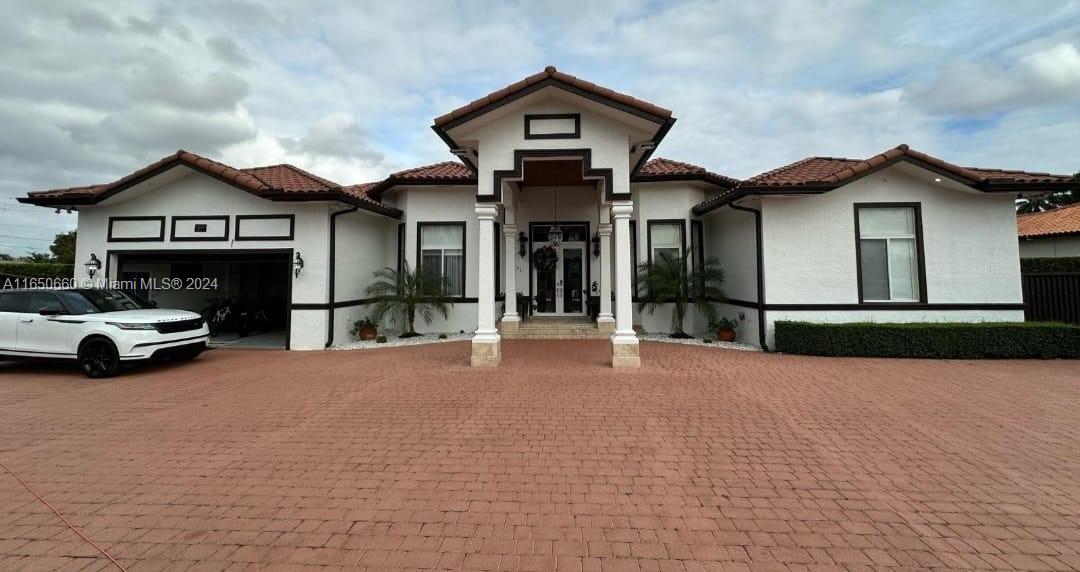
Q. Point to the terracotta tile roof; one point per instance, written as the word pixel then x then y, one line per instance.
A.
pixel 290 178
pixel 446 170
pixel 661 169
pixel 277 182
pixel 835 171
pixel 552 75
pixel 1064 220
pixel 821 174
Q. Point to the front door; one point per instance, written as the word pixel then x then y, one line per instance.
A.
pixel 561 290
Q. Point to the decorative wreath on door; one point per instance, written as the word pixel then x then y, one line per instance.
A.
pixel 545 258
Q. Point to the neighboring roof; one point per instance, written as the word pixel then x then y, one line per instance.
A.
pixel 551 76
pixel 661 169
pixel 1063 220
pixel 275 182
pixel 823 174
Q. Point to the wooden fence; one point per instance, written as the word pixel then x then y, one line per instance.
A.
pixel 1052 297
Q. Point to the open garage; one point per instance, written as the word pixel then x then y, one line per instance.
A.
pixel 244 295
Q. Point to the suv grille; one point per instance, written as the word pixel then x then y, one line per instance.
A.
pixel 179 326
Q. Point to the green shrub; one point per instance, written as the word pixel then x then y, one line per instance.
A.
pixel 380 340
pixel 707 340
pixel 1049 265
pixel 941 340
pixel 442 336
pixel 37 269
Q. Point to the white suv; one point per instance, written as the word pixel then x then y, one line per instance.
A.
pixel 99 328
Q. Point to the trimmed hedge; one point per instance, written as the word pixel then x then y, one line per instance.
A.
pixel 37 269
pixel 939 340
pixel 1049 265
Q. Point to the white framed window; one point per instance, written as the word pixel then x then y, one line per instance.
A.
pixel 666 238
pixel 442 254
pixel 889 243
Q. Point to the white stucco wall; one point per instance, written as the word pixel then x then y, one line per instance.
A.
pixel 1050 246
pixel 667 201
pixel 608 138
pixel 183 192
pixel 365 244
pixel 969 237
pixel 730 236
pixel 443 204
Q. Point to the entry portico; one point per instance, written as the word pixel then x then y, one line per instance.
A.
pixel 556 134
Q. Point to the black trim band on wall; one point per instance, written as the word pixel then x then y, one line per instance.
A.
pixel 289 217
pixel 225 229
pixel 575 134
pixel 898 306
pixel 159 238
pixel 919 252
pixel 588 172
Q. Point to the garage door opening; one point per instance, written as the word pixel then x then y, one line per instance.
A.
pixel 243 295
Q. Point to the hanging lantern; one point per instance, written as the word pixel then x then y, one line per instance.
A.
pixel 555 233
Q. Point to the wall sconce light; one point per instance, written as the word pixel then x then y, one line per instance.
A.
pixel 92 265
pixel 596 244
pixel 298 265
pixel 523 245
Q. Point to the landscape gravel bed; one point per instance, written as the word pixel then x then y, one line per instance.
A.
pixel 697 342
pixel 393 341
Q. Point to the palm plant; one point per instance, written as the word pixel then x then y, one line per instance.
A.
pixel 672 280
pixel 402 294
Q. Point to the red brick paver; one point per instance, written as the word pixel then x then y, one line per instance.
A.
pixel 406 458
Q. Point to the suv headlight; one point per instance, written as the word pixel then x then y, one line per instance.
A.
pixel 124 326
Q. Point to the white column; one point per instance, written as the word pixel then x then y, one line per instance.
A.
pixel 605 320
pixel 510 318
pixel 485 343
pixel 624 342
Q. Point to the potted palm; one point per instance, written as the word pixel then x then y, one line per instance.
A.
pixel 724 328
pixel 672 280
pixel 365 329
pixel 402 294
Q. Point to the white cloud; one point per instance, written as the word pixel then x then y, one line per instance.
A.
pixel 348 89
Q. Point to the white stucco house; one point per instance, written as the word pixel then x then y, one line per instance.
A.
pixel 899 236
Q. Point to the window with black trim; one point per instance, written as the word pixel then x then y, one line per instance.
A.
pixel 442 254
pixel 890 252
pixel 666 239
pixel 697 242
pixel 401 245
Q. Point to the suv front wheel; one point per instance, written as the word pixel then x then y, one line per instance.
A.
pixel 98 358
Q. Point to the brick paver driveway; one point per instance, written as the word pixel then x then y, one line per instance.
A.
pixel 406 458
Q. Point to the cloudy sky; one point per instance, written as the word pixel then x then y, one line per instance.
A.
pixel 93 90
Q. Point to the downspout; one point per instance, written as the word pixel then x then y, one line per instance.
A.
pixel 760 272
pixel 333 273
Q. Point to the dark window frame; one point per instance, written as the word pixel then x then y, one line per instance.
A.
pixel 919 252
pixel 464 249
pixel 633 258
pixel 655 221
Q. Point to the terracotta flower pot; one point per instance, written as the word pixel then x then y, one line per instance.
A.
pixel 365 333
pixel 725 334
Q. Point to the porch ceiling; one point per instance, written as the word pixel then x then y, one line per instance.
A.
pixel 562 172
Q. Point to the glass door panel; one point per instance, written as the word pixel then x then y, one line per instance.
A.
pixel 572 271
